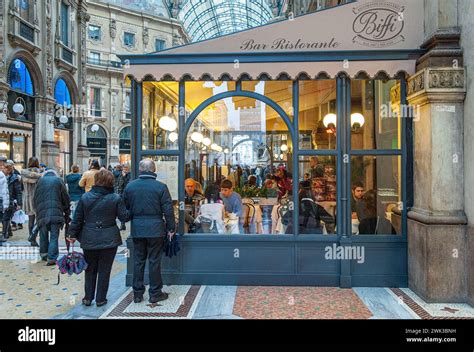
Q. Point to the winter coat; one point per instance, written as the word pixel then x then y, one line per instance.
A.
pixel 51 200
pixel 75 191
pixel 4 194
pixel 94 223
pixel 121 181
pixel 150 205
pixel 87 180
pixel 14 189
pixel 29 178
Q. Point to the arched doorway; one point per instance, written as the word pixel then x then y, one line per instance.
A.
pixel 125 145
pixel 63 126
pixel 97 143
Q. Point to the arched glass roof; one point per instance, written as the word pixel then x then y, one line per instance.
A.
pixel 204 19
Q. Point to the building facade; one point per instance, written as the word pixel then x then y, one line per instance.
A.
pixel 42 67
pixel 116 30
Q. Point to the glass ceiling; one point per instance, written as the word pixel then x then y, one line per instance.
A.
pixel 204 19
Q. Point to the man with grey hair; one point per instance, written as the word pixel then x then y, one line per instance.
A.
pixel 52 205
pixel 151 210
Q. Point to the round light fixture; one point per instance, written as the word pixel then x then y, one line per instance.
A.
pixel 206 141
pixel 63 119
pixel 357 120
pixel 94 127
pixel 329 119
pixel 281 156
pixel 284 148
pixel 275 156
pixel 197 137
pixel 4 146
pixel 173 137
pixel 226 151
pixel 18 108
pixel 167 123
pixel 214 146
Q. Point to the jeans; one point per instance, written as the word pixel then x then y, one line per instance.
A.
pixel 151 249
pixel 49 237
pixel 6 222
pixel 97 274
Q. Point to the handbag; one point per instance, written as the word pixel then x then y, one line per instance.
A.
pixel 71 263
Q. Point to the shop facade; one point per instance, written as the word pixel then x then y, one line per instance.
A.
pixel 327 112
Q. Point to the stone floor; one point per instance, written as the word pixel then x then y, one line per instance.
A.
pixel 29 290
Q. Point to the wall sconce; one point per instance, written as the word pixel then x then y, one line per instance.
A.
pixel 197 137
pixel 330 119
pixel 4 146
pixel 284 148
pixel 94 127
pixel 357 121
pixel 173 137
pixel 19 107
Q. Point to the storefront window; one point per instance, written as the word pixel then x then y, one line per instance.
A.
pixel 280 92
pixel 5 145
pixel 63 160
pixel 160 115
pixel 243 141
pixel 124 145
pixel 376 195
pixel 97 143
pixel 375 109
pixel 19 151
pixel 317 195
pixel 317 114
pixel 198 92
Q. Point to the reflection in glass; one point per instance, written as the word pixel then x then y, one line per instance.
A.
pixel 317 114
pixel 280 92
pixel 375 110
pixel 241 155
pixel 160 115
pixel 376 195
pixel 317 195
pixel 197 92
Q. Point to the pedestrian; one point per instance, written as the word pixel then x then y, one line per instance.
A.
pixel 151 210
pixel 95 225
pixel 52 205
pixel 4 196
pixel 30 178
pixel 75 191
pixel 121 181
pixel 16 198
pixel 13 226
pixel 87 180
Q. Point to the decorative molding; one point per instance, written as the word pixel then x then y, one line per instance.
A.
pixel 446 79
pixel 49 59
pixel 436 80
pixel 146 37
pixel 113 28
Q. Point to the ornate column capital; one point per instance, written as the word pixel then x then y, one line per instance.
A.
pixel 438 85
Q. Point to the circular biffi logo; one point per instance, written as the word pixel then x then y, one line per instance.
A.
pixel 378 24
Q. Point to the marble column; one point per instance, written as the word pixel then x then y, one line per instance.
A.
pixel 437 242
pixel 48 151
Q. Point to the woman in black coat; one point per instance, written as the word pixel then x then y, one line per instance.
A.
pixel 95 226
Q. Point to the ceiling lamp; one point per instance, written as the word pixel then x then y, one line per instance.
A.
pixel 167 123
pixel 173 137
pixel 214 146
pixel 206 141
pixel 330 119
pixel 284 148
pixel 197 137
pixel 357 120
pixel 226 151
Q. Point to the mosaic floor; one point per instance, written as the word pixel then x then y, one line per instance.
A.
pixel 299 303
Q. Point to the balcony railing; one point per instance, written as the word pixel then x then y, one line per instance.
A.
pixel 104 63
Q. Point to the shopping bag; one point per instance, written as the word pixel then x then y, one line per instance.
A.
pixel 19 217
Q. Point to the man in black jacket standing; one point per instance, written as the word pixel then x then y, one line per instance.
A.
pixel 151 210
pixel 52 204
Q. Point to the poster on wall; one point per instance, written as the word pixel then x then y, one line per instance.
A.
pixel 167 172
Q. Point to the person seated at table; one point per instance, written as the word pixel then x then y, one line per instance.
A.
pixel 372 223
pixel 212 193
pixel 232 200
pixel 356 201
pixel 270 182
pixel 316 169
pixel 191 192
pixel 252 181
pixel 284 182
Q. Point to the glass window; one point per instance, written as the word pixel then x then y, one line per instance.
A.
pixel 198 92
pixel 94 32
pixel 128 104
pixel 65 23
pixel 129 39
pixel 375 110
pixel 376 194
pixel 97 143
pixel 317 114
pixel 19 77
pixel 317 195
pixel 95 101
pixel 5 145
pixel 160 115
pixel 280 92
pixel 94 58
pixel 239 159
pixel 159 44
pixel 26 10
pixel 61 93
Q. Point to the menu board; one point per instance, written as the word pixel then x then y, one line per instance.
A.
pixel 167 172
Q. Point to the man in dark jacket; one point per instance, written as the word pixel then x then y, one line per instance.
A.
pixel 16 199
pixel 52 204
pixel 151 210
